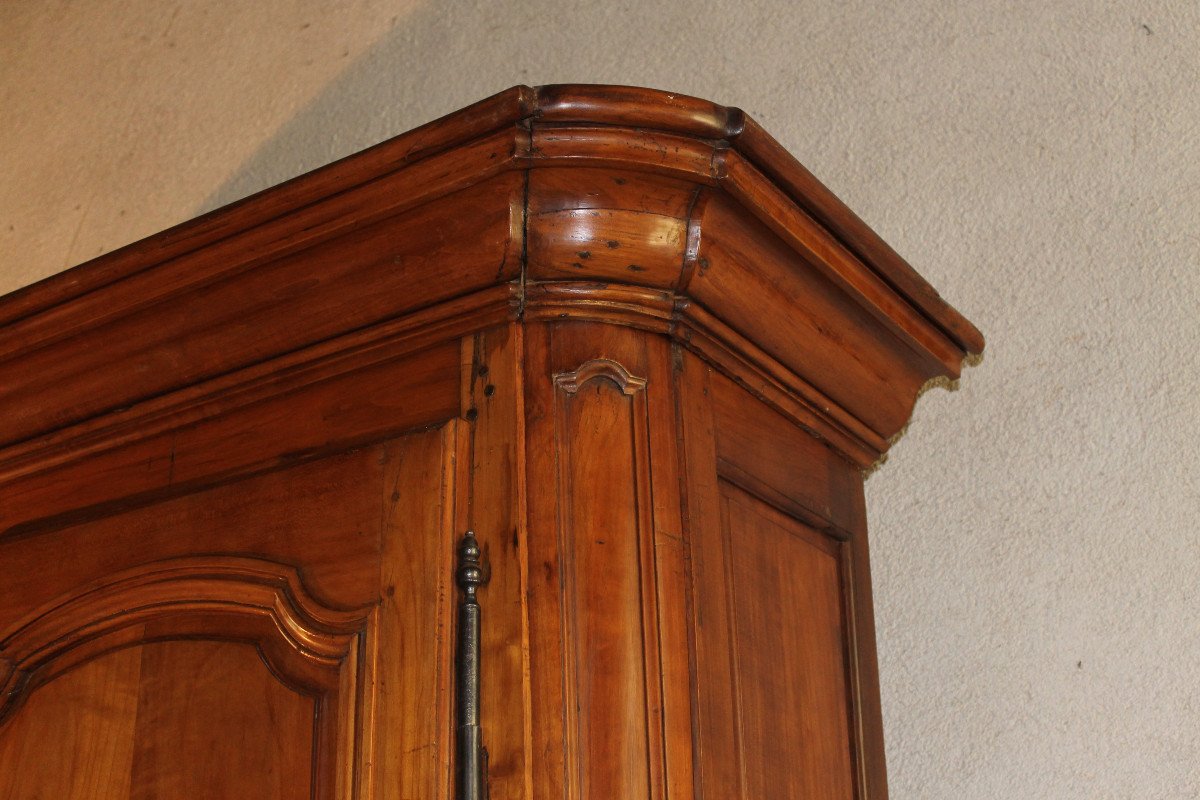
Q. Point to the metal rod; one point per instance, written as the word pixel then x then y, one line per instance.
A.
pixel 472 756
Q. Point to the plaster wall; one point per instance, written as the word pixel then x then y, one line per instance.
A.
pixel 1035 534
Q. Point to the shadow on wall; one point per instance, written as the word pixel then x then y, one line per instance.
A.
pixel 405 79
pixel 441 56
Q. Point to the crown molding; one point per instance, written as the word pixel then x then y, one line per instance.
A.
pixel 638 207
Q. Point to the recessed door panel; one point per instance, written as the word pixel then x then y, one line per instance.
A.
pixel 202 676
pixel 212 721
pixel 787 636
pixel 74 738
pixel 265 638
pixel 176 719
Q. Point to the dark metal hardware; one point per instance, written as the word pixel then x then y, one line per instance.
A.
pixel 472 755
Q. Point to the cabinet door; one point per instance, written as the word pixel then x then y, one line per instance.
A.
pixel 267 637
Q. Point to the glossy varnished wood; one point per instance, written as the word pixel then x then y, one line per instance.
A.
pixel 787 636
pixel 637 181
pixel 597 634
pixel 228 690
pixel 620 334
pixel 491 503
pixel 76 741
pixel 369 642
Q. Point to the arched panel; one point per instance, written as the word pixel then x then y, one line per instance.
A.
pixel 227 650
pixel 171 719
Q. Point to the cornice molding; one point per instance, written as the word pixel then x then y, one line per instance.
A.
pixel 637 207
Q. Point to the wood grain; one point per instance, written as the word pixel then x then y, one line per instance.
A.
pixel 298 516
pixel 74 740
pixel 279 202
pixel 758 449
pixel 618 333
pixel 411 750
pixel 240 728
pixel 645 184
pixel 818 329
pixel 603 488
pixel 325 416
pixel 203 331
pixel 787 636
pixel 594 636
pixel 332 516
pixel 784 645
pixel 491 493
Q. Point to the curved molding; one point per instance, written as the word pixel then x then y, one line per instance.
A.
pixel 625 105
pixel 353 352
pixel 704 335
pixel 775 384
pixel 244 599
pixel 691 252
pixel 596 369
pixel 633 203
pixel 629 110
pixel 634 306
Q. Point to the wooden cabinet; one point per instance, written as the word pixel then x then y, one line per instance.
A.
pixel 619 334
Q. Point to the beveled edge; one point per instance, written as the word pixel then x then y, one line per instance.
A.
pixel 300 639
pixel 719 149
pixel 678 113
pixel 555 103
pixel 472 122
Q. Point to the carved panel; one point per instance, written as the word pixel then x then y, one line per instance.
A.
pixel 606 545
pixel 314 651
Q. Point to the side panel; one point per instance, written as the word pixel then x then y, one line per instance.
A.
pixel 785 686
pixel 603 534
pixel 786 645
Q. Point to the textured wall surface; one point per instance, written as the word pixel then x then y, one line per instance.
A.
pixel 1036 548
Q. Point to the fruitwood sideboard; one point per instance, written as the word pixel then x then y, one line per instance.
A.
pixel 619 334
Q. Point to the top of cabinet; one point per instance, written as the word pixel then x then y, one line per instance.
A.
pixel 673 213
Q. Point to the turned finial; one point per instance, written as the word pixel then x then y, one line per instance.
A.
pixel 470 572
